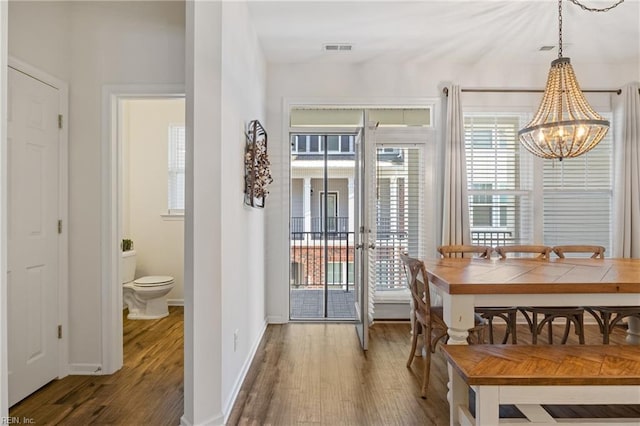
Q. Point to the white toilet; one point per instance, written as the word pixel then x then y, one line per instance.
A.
pixel 146 297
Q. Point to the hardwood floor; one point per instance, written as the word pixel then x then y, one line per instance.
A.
pixel 148 390
pixel 303 374
pixel 306 374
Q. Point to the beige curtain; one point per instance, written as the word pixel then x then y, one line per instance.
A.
pixel 455 206
pixel 626 197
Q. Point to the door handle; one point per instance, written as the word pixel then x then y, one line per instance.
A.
pixel 372 246
pixel 359 246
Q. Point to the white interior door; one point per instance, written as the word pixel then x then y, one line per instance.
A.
pixel 33 191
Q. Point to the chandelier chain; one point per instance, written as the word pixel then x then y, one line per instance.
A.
pixel 559 28
pixel 595 9
pixel 583 7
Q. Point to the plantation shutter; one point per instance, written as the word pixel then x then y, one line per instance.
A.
pixel 498 181
pixel 578 197
pixel 397 207
pixel 176 169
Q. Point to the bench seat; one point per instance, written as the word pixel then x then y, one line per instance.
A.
pixel 531 375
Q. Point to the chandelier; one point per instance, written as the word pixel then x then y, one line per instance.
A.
pixel 565 125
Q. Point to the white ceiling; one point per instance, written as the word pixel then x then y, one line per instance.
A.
pixel 456 31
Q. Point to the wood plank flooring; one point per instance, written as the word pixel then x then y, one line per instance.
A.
pixel 148 390
pixel 303 374
pixel 316 374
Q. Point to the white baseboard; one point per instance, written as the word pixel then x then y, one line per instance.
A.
pixel 277 319
pixel 85 369
pixel 214 421
pixel 175 302
pixel 243 373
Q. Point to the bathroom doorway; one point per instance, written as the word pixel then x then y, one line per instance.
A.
pixel 124 116
pixel 152 141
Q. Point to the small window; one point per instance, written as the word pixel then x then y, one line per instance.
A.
pixel 314 143
pixel 346 143
pixel 336 273
pixel 176 169
pixel 333 143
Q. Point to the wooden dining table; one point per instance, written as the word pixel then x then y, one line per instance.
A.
pixel 464 283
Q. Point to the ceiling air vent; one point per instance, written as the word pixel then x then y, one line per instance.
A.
pixel 337 47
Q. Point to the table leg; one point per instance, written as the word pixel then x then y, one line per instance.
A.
pixel 459 317
pixel 633 331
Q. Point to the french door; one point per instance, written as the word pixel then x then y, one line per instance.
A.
pixel 322 226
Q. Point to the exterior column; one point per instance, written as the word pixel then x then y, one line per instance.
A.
pixel 203 211
pixel 306 197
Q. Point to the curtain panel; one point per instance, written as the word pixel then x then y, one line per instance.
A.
pixel 626 197
pixel 455 203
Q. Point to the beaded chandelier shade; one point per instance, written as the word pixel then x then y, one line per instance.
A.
pixel 565 125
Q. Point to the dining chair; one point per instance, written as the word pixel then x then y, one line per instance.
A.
pixel 597 252
pixel 483 252
pixel 540 316
pixel 428 320
pixel 540 252
pixel 607 317
pixel 508 315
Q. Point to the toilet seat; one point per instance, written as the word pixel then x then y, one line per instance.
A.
pixel 153 281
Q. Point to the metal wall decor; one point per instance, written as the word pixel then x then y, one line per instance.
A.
pixel 257 175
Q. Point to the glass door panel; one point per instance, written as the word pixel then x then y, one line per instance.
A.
pixel 321 227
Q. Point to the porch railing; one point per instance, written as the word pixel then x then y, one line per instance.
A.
pixel 308 259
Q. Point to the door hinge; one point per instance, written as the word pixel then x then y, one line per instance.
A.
pixel 59 121
pixel 59 331
pixel 60 226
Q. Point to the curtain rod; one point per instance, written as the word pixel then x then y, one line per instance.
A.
pixel 446 91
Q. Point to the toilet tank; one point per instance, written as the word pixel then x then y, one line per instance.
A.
pixel 128 266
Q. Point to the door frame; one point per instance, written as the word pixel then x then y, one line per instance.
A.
pixel 111 232
pixel 278 301
pixel 63 207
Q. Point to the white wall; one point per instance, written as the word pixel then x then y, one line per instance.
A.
pixel 158 240
pixel 89 45
pixel 381 84
pixel 4 392
pixel 224 240
pixel 243 230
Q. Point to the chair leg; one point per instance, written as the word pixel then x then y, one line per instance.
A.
pixel 490 325
pixel 567 329
pixel 550 329
pixel 427 362
pixel 513 318
pixel 606 329
pixel 534 328
pixel 414 342
pixel 580 328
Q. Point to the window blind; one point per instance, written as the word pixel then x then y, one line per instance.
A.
pixel 176 169
pixel 398 207
pixel 578 197
pixel 499 180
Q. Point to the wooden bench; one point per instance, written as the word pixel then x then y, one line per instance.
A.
pixel 530 375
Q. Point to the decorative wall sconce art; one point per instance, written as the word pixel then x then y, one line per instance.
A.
pixel 257 175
